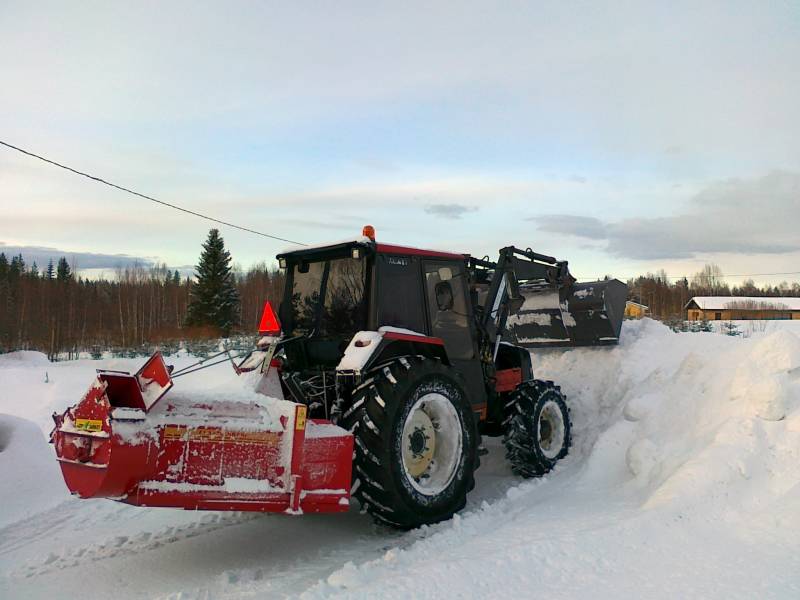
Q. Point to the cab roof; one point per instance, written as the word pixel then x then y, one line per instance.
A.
pixel 365 242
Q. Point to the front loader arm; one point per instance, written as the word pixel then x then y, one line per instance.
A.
pixel 504 298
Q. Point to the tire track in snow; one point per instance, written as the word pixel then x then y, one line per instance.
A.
pixel 134 543
pixel 22 533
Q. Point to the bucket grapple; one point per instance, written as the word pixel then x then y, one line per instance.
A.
pixel 546 306
pixel 579 314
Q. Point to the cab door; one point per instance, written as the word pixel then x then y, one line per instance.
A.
pixel 450 318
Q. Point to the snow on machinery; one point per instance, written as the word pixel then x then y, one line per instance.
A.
pixel 378 377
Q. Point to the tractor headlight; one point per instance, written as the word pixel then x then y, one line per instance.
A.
pixel 356 253
pixel 282 263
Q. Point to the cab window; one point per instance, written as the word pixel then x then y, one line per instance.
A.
pixel 446 291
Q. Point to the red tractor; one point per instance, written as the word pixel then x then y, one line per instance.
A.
pixel 392 363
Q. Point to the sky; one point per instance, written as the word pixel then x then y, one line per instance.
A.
pixel 624 137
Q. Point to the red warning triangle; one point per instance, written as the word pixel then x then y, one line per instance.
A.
pixel 269 324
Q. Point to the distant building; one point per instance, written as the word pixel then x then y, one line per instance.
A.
pixel 742 308
pixel 634 310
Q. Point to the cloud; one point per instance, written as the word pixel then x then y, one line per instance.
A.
pixel 755 216
pixel 81 260
pixel 449 211
pixel 586 227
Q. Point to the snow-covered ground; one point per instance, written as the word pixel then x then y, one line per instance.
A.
pixel 684 482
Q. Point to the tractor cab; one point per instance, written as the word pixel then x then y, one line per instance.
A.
pixel 325 301
pixel 333 292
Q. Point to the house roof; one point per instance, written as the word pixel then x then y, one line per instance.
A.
pixel 745 302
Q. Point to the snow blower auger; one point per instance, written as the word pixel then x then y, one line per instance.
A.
pixel 377 378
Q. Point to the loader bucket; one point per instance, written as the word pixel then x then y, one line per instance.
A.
pixel 582 314
pixel 246 452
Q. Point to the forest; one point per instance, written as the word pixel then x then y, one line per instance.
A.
pixel 58 312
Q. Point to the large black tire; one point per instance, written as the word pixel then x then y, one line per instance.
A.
pixel 534 439
pixel 380 410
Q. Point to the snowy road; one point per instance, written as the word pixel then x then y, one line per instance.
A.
pixel 684 482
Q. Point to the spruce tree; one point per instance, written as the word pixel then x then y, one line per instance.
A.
pixel 63 272
pixel 50 272
pixel 214 300
pixel 3 266
pixel 17 268
pixel 34 272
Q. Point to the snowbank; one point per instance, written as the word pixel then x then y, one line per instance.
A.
pixel 23 358
pixel 687 419
pixel 30 480
pixel 757 328
pixel 686 458
pixel 684 481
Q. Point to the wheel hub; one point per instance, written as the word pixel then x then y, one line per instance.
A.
pixel 551 430
pixel 419 443
pixel 431 443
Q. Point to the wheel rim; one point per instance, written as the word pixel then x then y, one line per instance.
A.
pixel 431 444
pixel 551 430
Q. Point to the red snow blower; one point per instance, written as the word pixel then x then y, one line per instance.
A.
pixel 125 441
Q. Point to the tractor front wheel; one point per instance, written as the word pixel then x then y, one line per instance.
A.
pixel 536 428
pixel 415 442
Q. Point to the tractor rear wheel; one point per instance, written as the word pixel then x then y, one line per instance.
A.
pixel 537 428
pixel 415 442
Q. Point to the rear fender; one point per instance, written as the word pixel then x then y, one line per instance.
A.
pixel 369 348
pixel 510 356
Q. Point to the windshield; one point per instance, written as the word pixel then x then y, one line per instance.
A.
pixel 340 282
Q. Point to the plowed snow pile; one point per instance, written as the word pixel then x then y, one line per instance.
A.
pixel 684 482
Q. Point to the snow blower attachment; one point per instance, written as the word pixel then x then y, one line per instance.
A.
pixel 378 376
pixel 122 441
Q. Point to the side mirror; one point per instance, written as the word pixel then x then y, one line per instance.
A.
pixel 444 295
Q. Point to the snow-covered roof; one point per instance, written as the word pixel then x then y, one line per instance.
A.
pixel 745 302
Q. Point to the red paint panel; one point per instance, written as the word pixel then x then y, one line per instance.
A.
pixel 96 463
pixel 327 463
pixel 126 390
pixel 203 457
pixel 507 379
pixel 410 337
pixel 155 369
pixel 390 249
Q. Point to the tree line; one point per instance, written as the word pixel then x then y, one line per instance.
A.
pixel 666 298
pixel 56 311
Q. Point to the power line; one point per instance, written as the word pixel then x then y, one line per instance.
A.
pixel 274 237
pixel 675 277
pixel 146 197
